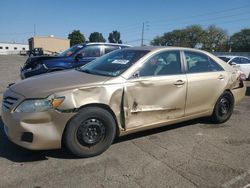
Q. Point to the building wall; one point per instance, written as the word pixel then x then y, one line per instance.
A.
pixel 10 48
pixel 49 44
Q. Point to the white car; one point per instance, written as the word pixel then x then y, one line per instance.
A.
pixel 240 62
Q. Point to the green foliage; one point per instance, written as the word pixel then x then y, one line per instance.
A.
pixel 96 37
pixel 241 41
pixel 76 37
pixel 215 38
pixel 188 37
pixel 115 37
pixel 194 36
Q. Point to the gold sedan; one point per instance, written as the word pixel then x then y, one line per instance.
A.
pixel 125 91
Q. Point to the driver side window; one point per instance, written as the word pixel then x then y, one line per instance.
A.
pixel 165 63
pixel 90 51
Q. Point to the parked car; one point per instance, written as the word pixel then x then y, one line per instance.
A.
pixel 36 52
pixel 240 62
pixel 74 57
pixel 122 92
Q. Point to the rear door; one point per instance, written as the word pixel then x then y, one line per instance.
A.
pixel 206 82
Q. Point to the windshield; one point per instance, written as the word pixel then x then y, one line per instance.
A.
pixel 226 59
pixel 114 63
pixel 69 52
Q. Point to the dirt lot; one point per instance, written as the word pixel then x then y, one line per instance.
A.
pixel 191 154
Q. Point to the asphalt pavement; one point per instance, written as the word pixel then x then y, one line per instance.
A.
pixel 191 154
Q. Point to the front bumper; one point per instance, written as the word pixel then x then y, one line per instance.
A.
pixel 46 128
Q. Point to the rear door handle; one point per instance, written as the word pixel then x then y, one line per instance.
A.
pixel 221 77
pixel 179 83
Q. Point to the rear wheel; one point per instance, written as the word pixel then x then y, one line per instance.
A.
pixel 90 132
pixel 223 108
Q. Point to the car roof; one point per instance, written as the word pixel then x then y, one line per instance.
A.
pixel 228 56
pixel 105 43
pixel 155 48
pixel 232 56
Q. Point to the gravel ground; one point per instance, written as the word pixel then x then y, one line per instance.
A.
pixel 191 154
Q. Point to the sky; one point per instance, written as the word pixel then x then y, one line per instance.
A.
pixel 60 17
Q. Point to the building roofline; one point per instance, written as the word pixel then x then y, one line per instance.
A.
pixel 13 43
pixel 48 37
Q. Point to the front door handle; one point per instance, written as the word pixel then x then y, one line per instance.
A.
pixel 179 83
pixel 221 77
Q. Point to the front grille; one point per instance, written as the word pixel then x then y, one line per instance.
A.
pixel 8 102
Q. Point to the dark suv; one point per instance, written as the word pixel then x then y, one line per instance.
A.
pixel 73 57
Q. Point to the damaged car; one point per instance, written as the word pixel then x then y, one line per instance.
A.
pixel 122 92
pixel 76 56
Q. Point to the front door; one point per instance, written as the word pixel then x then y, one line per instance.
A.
pixel 157 91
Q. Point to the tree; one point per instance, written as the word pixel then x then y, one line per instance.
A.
pixel 158 41
pixel 76 37
pixel 173 38
pixel 114 37
pixel 194 36
pixel 191 36
pixel 96 37
pixel 215 38
pixel 241 41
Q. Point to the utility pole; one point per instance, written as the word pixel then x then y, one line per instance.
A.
pixel 34 29
pixel 145 26
pixel 142 34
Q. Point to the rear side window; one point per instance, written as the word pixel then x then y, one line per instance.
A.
pixel 245 61
pixel 108 49
pixel 198 63
pixel 235 60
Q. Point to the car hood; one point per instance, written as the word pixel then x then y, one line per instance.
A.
pixel 44 85
pixel 33 61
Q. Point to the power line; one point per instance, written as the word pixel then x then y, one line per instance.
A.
pixel 214 18
pixel 135 26
pixel 214 23
pixel 205 14
pixel 24 33
pixel 204 25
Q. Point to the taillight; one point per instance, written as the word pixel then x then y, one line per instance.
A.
pixel 242 76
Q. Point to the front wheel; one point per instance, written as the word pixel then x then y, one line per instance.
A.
pixel 90 132
pixel 223 108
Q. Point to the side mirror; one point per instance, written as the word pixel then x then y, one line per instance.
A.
pixel 79 56
pixel 232 63
pixel 136 74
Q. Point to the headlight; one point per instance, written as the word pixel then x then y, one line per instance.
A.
pixel 39 105
pixel 37 66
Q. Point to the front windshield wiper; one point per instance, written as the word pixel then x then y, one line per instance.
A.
pixel 93 72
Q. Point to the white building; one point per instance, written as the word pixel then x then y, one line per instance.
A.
pixel 12 48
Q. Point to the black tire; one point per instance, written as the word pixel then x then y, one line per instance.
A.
pixel 90 132
pixel 223 108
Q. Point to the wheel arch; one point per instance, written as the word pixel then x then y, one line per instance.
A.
pixel 100 105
